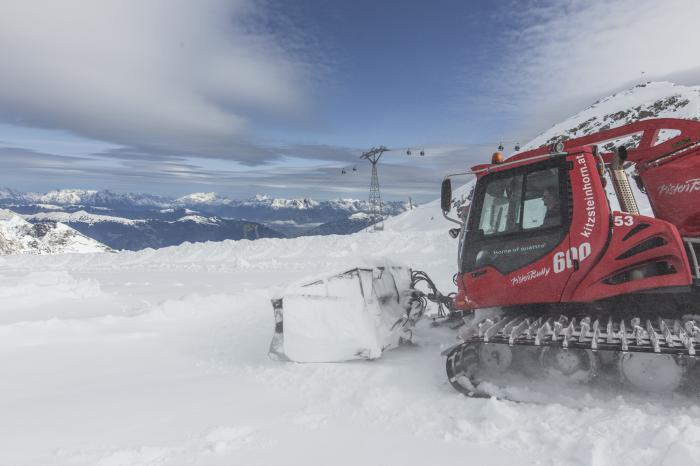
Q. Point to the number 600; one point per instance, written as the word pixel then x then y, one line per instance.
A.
pixel 565 260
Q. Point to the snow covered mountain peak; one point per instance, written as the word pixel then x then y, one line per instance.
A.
pixel 305 203
pixel 279 203
pixel 202 198
pixel 199 219
pixel 17 236
pixel 79 216
pixel 66 196
pixel 644 101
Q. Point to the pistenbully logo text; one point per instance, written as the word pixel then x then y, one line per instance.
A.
pixel 672 189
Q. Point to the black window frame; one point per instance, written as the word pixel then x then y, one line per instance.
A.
pixel 474 238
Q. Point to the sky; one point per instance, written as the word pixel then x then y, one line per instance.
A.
pixel 244 97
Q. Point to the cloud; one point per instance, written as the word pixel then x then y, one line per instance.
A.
pixel 162 76
pixel 565 54
pixel 400 176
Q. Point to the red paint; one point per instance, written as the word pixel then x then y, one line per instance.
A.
pixel 671 174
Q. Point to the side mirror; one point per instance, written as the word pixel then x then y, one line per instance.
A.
pixel 446 195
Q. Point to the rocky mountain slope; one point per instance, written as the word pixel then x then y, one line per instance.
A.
pixel 134 234
pixel 17 236
pixel 209 203
pixel 291 217
pixel 644 101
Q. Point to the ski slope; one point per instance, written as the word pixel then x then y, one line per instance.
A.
pixel 159 357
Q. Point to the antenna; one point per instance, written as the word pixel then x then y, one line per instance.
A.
pixel 375 199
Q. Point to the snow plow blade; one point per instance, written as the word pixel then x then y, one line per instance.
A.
pixel 356 314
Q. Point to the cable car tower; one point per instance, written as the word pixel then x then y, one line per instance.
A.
pixel 375 199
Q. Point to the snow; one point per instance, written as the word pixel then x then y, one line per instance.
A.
pixel 278 203
pixel 292 203
pixel 199 219
pixel 66 196
pixel 79 216
pixel 159 357
pixel 428 217
pixel 17 236
pixel 202 198
pixel 650 100
pixel 107 201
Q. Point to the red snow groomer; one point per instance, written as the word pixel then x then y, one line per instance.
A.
pixel 583 290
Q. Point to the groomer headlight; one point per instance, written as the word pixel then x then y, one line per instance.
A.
pixel 557 148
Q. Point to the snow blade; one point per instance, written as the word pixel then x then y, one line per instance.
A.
pixel 356 314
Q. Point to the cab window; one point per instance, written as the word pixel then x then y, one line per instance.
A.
pixel 542 206
pixel 518 217
pixel 521 202
pixel 500 211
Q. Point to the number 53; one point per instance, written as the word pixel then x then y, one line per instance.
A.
pixel 625 220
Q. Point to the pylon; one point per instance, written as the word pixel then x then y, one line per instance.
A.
pixel 375 198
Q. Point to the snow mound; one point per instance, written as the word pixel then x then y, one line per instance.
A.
pixel 428 217
pixel 132 341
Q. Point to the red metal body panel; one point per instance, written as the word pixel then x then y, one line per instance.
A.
pixel 590 222
pixel 673 189
pixel 591 285
pixel 543 281
pixel 605 254
pixel 595 241
pixel 648 130
pixel 536 283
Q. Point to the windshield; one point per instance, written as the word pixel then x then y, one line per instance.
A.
pixel 517 218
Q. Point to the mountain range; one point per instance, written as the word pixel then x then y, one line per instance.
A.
pixel 20 236
pixel 135 221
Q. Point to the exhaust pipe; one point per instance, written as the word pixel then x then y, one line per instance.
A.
pixel 621 182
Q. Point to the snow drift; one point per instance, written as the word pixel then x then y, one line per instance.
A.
pixel 159 357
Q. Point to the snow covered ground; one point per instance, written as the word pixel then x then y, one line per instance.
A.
pixel 159 357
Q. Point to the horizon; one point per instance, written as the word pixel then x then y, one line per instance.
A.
pixel 257 196
pixel 241 97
